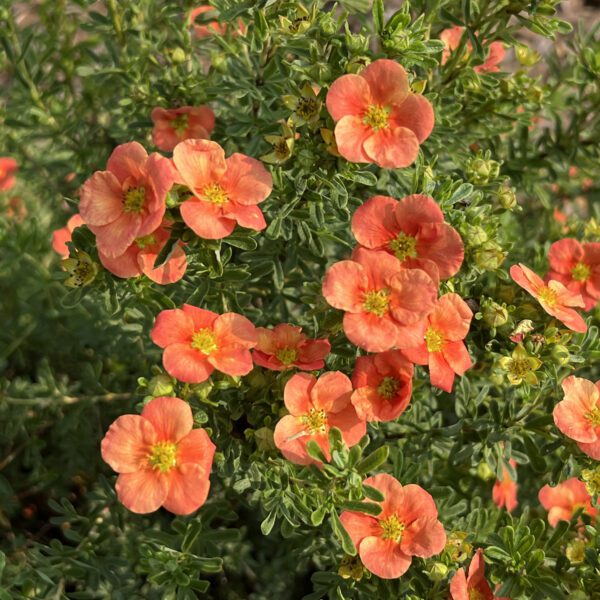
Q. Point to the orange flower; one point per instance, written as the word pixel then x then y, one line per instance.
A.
pixel 285 346
pixel 441 343
pixel 127 201
pixel 198 341
pixel 382 300
pixel 61 236
pixel 451 37
pixel 382 385
pixel 473 587
pixel 225 191
pixel 211 27
pixel 410 228
pixel 141 256
pixel 378 119
pixel 160 459
pixel 578 414
pixel 564 499
pixel 316 405
pixel 8 167
pixel 407 526
pixel 577 266
pixel 504 493
pixel 173 125
pixel 554 297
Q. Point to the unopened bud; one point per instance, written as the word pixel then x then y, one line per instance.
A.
pixel 489 256
pixel 178 55
pixel 481 171
pixel 160 385
pixel 495 315
pixel 438 572
pixel 561 355
pixel 527 56
pixel 507 197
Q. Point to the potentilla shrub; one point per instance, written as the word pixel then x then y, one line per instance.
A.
pixel 299 300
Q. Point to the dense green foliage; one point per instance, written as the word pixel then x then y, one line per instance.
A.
pixel 77 79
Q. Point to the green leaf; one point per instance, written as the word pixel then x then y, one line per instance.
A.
pixel 314 451
pixel 342 534
pixel 373 493
pixel 374 460
pixel 369 508
pixel 267 525
pixel 378 16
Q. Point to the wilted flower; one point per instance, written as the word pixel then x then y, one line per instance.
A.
pixel 306 107
pixel 504 492
pixel 82 270
pixel 520 366
pixel 474 586
pixel 452 36
pixel 591 478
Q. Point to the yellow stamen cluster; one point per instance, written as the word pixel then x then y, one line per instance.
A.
pixel 580 272
pixel 591 478
pixel 134 200
pixel 548 296
pixel 520 366
pixel 593 416
pixel 434 340
pixel 307 108
pixel 180 124
pixel 163 456
pixel 215 193
pixel 145 241
pixel 392 529
pixel 377 117
pixel 203 340
pixel 388 387
pixel 403 246
pixel 377 302
pixel 287 356
pixel 315 421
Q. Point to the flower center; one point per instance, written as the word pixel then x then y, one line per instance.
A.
pixel 580 272
pixel 281 149
pixel 548 296
pixel 591 478
pixel 287 356
pixel 134 200
pixel 144 241
pixel 593 416
pixel 315 421
pixel 163 456
pixel 377 117
pixel 388 387
pixel 180 124
pixel 204 341
pixel 519 367
pixel 434 340
pixel 392 529
pixel 377 302
pixel 475 594
pixel 307 108
pixel 215 193
pixel 404 246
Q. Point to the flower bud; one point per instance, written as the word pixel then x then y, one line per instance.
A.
pixel 527 56
pixel 356 43
pixel 507 197
pixel 481 171
pixel 357 64
pixel 438 572
pixel 476 235
pixel 160 385
pixel 575 551
pixel 178 55
pixel 489 256
pixel 494 315
pixel 485 472
pixel 219 61
pixel 328 25
pixel 561 355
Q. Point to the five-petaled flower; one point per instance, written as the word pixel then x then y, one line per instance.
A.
pixel 564 499
pixel 285 347
pixel 198 341
pixel 578 414
pixel 8 167
pixel 441 343
pixel 504 492
pixel 451 38
pixel 378 119
pixel 407 526
pixel 315 406
pixel 554 297
pixel 127 201
pixel 577 266
pixel 382 385
pixel 160 459
pixel 410 228
pixel 141 256
pixel 61 236
pixel 382 300
pixel 474 586
pixel 224 191
pixel 174 125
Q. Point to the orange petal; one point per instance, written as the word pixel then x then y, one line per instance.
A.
pixel 416 114
pixel 391 148
pixel 374 223
pixel 344 285
pixel 188 489
pixel 348 95
pixel 332 392
pixel 127 160
pixel 171 417
pixel 564 255
pixel 186 364
pixel 101 199
pixel 388 82
pixel 370 332
pixel 351 135
pixel 206 219
pixel 127 443
pixel 424 537
pixel 359 525
pixel 246 180
pixel 172 326
pixel 199 162
pixel 383 558
pixel 297 393
pixel 196 447
pixel 233 360
pixel 143 491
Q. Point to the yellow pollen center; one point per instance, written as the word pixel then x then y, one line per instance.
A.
pixel 315 421
pixel 548 296
pixel 163 456
pixel 180 124
pixel 388 387
pixel 580 272
pixel 144 241
pixel 519 367
pixel 287 356
pixel 434 340
pixel 281 149
pixel 215 193
pixel 204 341
pixel 403 246
pixel 377 117
pixel 593 416
pixel 377 302
pixel 307 108
pixel 392 529
pixel 134 200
